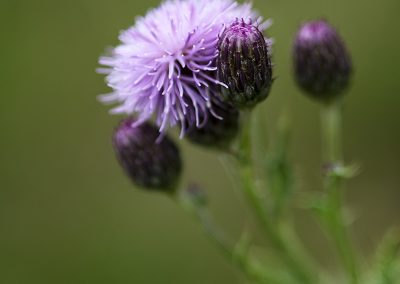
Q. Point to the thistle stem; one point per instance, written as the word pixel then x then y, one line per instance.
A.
pixel 203 216
pixel 334 186
pixel 272 232
pixel 331 118
pixel 250 267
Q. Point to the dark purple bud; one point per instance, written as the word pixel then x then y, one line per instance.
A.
pixel 149 163
pixel 322 64
pixel 220 128
pixel 244 65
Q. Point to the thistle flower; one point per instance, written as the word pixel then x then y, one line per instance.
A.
pixel 149 164
pixel 244 64
pixel 165 64
pixel 220 129
pixel 322 63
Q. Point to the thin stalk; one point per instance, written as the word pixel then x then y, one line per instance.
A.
pixel 331 118
pixel 388 260
pixel 271 231
pixel 279 171
pixel 334 186
pixel 253 270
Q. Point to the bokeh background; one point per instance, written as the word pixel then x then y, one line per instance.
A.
pixel 67 212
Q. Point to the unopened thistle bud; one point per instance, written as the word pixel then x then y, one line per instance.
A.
pixel 322 64
pixel 149 163
pixel 244 64
pixel 220 128
pixel 196 195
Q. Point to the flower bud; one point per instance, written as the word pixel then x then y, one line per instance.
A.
pixel 196 195
pixel 322 64
pixel 220 128
pixel 244 65
pixel 149 163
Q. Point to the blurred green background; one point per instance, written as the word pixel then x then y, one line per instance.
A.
pixel 67 212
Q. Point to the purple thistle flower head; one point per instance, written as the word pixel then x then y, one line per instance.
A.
pixel 165 64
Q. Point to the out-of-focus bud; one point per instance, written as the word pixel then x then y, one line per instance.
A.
pixel 220 128
pixel 322 64
pixel 244 64
pixel 195 195
pixel 149 163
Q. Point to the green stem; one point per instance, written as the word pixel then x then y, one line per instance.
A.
pixel 271 231
pixel 332 133
pixel 388 262
pixel 202 215
pixel 279 171
pixel 334 186
pixel 251 268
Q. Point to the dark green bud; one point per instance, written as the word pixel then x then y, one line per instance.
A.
pixel 150 161
pixel 220 127
pixel 244 65
pixel 322 64
pixel 196 195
